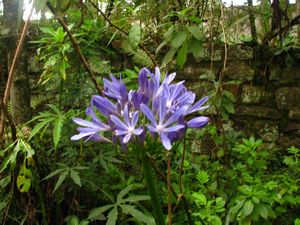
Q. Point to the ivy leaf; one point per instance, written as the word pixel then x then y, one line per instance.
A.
pixel 96 213
pixel 60 180
pixel 178 39
pixel 181 57
pixel 112 216
pixel 248 208
pixel 134 36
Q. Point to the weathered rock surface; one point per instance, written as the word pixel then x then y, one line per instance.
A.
pixel 255 94
pixel 258 111
pixel 288 98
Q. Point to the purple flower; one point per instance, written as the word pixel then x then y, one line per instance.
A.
pixel 90 130
pixel 163 103
pixel 127 128
pixel 163 127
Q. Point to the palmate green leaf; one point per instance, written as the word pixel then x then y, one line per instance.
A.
pixel 97 213
pixel 58 123
pixel 181 56
pixel 39 126
pixel 26 148
pixel 136 198
pixel 75 177
pixel 138 215
pixel 178 39
pixel 55 172
pixel 60 180
pixel 134 36
pixel 123 192
pixel 73 221
pixel 112 216
pixel 11 159
pixel 248 208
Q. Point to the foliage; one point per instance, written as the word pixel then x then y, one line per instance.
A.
pixel 47 179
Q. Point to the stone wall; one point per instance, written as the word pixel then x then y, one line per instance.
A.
pixel 267 93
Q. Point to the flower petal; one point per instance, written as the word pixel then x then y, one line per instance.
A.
pixel 165 141
pixel 119 124
pixel 147 112
pixel 174 128
pixel 198 122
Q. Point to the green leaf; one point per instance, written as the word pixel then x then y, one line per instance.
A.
pixel 55 172
pixel 75 177
pixel 27 149
pixel 178 39
pixel 195 47
pixel 84 222
pixel 161 45
pixel 199 198
pixel 195 32
pixel 202 177
pixel 137 198
pixel 58 123
pixel 262 211
pixel 181 57
pixel 123 192
pixel 5 181
pixel 60 180
pixel 38 127
pixel 73 221
pixel 24 179
pixel 228 105
pixel 96 213
pixel 128 209
pixel 248 208
pixel 112 216
pixel 229 95
pixel 168 57
pixel 134 36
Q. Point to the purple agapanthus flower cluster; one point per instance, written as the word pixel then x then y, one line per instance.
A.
pixel 158 108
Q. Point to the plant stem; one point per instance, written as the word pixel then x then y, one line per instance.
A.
pixel 152 190
pixel 169 192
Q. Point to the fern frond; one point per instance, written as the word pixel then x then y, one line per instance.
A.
pixel 140 57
